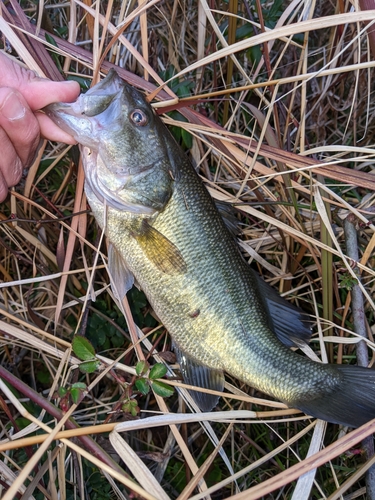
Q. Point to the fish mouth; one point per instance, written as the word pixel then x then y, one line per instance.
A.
pixel 63 115
pixel 79 118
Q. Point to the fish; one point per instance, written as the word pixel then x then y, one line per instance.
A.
pixel 167 236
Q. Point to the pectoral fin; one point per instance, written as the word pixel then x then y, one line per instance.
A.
pixel 160 251
pixel 199 375
pixel 121 278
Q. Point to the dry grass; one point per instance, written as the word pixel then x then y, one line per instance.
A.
pixel 293 155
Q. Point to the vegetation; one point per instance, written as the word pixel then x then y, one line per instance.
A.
pixel 273 101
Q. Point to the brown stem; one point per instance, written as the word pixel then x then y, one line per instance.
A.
pixel 359 325
pixel 369 5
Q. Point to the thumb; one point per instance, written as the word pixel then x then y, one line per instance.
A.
pixel 38 92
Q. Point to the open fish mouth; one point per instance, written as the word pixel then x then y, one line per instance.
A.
pixel 82 118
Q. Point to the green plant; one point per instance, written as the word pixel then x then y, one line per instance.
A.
pixel 147 379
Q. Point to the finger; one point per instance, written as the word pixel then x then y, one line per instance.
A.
pixel 40 93
pixel 3 187
pixel 51 131
pixel 10 164
pixel 20 125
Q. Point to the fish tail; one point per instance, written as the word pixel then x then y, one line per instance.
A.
pixel 352 402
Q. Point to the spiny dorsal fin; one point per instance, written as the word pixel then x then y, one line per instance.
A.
pixel 160 251
pixel 282 314
pixel 228 214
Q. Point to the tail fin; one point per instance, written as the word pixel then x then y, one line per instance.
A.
pixel 352 403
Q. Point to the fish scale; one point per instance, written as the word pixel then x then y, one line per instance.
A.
pixel 166 233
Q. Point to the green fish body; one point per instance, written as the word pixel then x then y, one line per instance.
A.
pixel 166 233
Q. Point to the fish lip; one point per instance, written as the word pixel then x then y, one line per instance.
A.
pixel 112 79
pixel 110 88
pixel 54 111
pixel 57 110
pixel 71 116
pixel 57 107
pixel 60 113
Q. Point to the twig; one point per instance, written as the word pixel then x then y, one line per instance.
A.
pixel 359 326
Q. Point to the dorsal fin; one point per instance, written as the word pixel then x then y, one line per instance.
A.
pixel 286 320
pixel 228 214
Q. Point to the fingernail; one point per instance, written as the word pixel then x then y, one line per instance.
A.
pixel 12 108
pixel 69 82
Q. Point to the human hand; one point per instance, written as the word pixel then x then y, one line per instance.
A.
pixel 22 94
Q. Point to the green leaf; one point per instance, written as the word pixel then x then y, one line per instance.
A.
pixel 79 385
pixel 62 392
pixel 131 407
pixel 187 138
pixel 158 371
pixel 214 475
pixel 83 348
pixel 141 368
pixel 22 423
pixel 162 389
pixel 50 40
pixel 43 375
pixel 53 54
pixel 347 281
pixel 76 395
pixel 89 366
pixel 117 339
pixel 142 385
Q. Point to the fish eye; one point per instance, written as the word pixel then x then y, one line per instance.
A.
pixel 139 118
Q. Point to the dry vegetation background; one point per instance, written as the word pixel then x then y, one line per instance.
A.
pixel 274 101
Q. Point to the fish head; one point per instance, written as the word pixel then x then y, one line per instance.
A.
pixel 125 155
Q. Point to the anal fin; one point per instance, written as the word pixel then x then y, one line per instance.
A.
pixel 199 375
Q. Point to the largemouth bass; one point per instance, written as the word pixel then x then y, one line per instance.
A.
pixel 166 234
